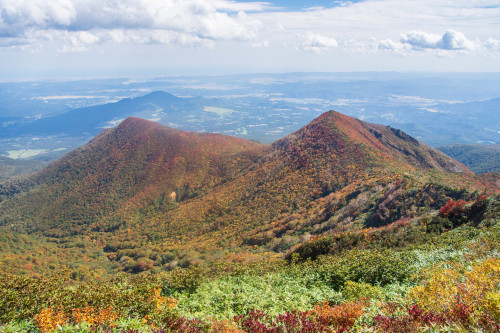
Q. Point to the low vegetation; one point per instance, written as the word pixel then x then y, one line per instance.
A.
pixel 388 279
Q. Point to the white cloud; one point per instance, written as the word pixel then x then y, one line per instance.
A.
pixel 18 16
pixel 185 22
pixel 12 42
pixel 450 40
pixel 84 37
pixel 245 35
pixel 401 27
pixel 367 26
pixel 418 41
pixel 316 43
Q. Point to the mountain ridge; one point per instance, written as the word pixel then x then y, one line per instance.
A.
pixel 162 190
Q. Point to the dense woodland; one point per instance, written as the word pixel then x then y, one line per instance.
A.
pixel 478 158
pixel 340 226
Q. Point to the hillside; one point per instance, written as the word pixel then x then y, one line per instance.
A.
pixel 154 197
pixel 478 158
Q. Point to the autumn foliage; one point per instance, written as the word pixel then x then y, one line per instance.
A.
pixel 157 227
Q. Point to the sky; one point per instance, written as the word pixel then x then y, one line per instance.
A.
pixel 97 38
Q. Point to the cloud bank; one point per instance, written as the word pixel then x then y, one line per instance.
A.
pixel 142 21
pixel 238 32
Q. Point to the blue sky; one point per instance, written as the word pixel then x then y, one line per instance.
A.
pixel 83 38
pixel 289 5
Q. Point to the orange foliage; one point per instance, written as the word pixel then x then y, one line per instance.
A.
pixel 224 326
pixel 341 316
pixel 49 319
pixel 94 316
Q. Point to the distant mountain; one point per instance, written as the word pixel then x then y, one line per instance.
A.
pixel 91 120
pixel 153 196
pixel 71 129
pixel 478 158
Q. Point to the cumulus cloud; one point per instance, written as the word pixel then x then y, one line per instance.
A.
pixel 419 41
pixel 316 43
pixel 373 26
pixel 18 16
pixel 450 40
pixel 183 21
pixel 401 27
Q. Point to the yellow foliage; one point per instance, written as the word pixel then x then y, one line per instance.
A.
pixel 93 316
pixel 438 293
pixel 85 315
pixel 162 301
pixel 492 304
pixel 482 286
pixel 357 291
pixel 49 319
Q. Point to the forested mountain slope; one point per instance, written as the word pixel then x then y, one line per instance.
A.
pixel 153 197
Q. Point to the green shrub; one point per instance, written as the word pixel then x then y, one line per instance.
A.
pixel 354 291
pixel 376 267
pixel 273 293
pixel 18 327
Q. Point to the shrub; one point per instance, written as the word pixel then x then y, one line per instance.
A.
pixel 355 291
pixel 413 321
pixel 339 316
pixel 438 292
pixel 257 321
pixel 48 319
pixel 224 326
pixel 376 267
pixel 482 287
pixel 452 208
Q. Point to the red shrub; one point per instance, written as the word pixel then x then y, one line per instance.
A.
pixel 452 208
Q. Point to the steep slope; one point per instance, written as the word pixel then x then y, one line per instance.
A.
pixel 155 196
pixel 381 144
pixel 136 163
pixel 320 168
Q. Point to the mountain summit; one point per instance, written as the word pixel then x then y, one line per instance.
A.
pixel 141 189
pixel 341 133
